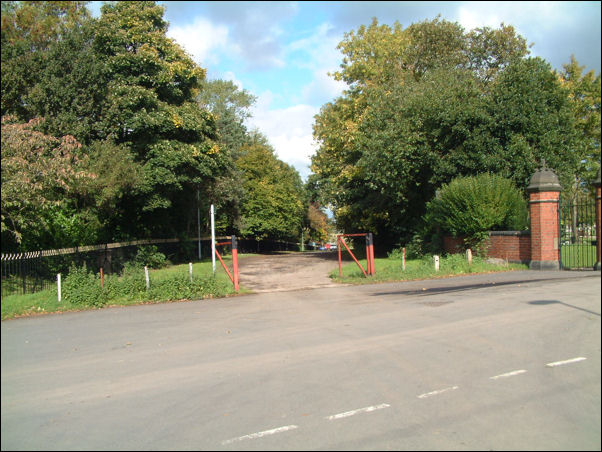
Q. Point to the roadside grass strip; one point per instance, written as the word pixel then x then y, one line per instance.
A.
pixel 568 361
pixel 437 392
pixel 359 410
pixel 261 434
pixel 508 374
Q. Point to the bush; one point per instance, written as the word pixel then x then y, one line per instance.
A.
pixel 149 256
pixel 471 206
pixel 81 287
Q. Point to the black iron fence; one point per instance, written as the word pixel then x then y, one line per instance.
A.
pixel 577 223
pixel 35 271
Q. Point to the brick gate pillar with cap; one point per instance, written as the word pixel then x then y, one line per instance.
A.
pixel 544 195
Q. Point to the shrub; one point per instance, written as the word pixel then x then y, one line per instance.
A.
pixel 471 206
pixel 150 257
pixel 81 287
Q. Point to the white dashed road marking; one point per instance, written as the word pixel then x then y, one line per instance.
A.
pixel 260 434
pixel 440 391
pixel 568 361
pixel 508 374
pixel 359 410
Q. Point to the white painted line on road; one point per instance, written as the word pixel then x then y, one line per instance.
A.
pixel 508 374
pixel 360 410
pixel 260 434
pixel 440 391
pixel 568 361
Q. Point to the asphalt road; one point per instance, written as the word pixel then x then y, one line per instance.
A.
pixel 507 361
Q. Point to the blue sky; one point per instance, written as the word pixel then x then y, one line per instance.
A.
pixel 282 52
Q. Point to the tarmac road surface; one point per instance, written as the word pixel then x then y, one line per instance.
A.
pixel 507 361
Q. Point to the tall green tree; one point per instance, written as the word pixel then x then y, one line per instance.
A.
pixel 274 201
pixel 584 98
pixel 425 105
pixel 28 29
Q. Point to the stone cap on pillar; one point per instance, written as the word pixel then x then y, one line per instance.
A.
pixel 544 179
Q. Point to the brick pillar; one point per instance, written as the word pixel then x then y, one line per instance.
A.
pixel 544 196
pixel 598 264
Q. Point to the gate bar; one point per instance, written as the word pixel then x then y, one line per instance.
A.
pixel 234 245
pixel 369 252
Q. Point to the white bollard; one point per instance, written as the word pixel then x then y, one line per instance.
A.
pixel 146 277
pixel 190 270
pixel 469 256
pixel 58 286
pixel 436 263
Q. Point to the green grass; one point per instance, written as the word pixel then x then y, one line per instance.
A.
pixel 166 284
pixel 390 269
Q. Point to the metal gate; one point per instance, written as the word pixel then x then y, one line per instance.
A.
pixel 577 224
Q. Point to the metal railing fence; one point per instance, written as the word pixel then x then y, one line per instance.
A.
pixel 34 271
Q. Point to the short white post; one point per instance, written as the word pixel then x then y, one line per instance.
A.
pixel 436 263
pixel 403 260
pixel 58 286
pixel 146 277
pixel 469 256
pixel 190 270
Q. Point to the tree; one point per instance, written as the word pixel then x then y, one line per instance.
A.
pixel 273 205
pixel 40 174
pixel 28 29
pixel 425 105
pixel 584 98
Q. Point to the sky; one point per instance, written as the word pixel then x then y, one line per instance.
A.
pixel 283 52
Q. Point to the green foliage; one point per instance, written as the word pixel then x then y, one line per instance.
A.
pixel 82 287
pixel 150 257
pixel 470 206
pixel 273 205
pixel 428 104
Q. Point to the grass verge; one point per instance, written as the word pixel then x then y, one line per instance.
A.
pixel 166 285
pixel 390 269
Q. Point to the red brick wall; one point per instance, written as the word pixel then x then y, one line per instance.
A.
pixel 513 246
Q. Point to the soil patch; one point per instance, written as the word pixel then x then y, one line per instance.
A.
pixel 288 271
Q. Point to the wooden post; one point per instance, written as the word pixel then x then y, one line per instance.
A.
pixel 436 258
pixel 469 256
pixel 146 277
pixel 102 281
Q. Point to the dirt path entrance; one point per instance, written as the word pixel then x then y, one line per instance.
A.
pixel 288 271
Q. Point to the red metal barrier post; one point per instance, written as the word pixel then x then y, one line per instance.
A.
pixel 233 278
pixel 369 252
pixel 235 262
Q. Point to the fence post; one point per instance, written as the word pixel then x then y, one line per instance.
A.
pixel 403 260
pixel 469 256
pixel 146 277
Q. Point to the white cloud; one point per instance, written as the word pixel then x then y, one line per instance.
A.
pixel 289 131
pixel 202 39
